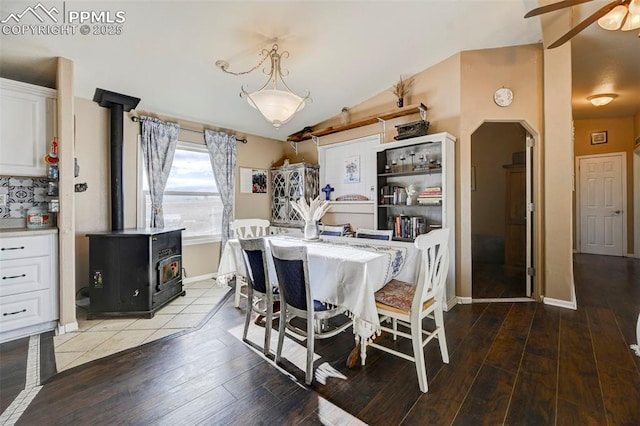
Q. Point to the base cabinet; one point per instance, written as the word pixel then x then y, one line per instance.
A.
pixel 28 285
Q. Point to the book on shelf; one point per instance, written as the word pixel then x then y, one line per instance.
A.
pixel 392 195
pixel 407 227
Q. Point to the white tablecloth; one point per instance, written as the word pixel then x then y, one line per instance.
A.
pixel 345 272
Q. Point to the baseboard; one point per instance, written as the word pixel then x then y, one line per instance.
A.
pixel 465 300
pixel 67 328
pixel 199 278
pixel 571 304
pixel 450 304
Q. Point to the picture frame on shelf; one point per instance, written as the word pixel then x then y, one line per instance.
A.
pixel 598 138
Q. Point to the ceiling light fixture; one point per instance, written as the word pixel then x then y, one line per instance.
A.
pixel 276 105
pixel 602 99
pixel 625 17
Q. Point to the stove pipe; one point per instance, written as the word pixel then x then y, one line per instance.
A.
pixel 118 104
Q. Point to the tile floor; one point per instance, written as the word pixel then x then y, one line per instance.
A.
pixel 101 337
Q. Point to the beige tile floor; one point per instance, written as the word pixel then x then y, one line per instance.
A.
pixel 101 337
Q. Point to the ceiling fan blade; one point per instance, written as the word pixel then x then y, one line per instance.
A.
pixel 555 6
pixel 584 24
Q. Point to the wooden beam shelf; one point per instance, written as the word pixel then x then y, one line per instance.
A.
pixel 408 110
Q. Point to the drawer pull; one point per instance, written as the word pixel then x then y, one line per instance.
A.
pixel 15 276
pixel 12 248
pixel 13 313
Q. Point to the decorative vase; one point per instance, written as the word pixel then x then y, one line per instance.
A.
pixel 400 102
pixel 311 230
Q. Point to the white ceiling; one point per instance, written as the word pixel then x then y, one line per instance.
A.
pixel 342 52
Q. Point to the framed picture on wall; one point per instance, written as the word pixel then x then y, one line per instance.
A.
pixel 598 138
pixel 253 181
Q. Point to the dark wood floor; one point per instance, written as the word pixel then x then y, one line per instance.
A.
pixel 510 363
pixel 492 280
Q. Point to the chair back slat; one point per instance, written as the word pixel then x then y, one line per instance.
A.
pixel 293 275
pixel 250 228
pixel 434 265
pixel 255 261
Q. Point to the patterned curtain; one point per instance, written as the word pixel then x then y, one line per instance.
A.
pixel 222 152
pixel 159 140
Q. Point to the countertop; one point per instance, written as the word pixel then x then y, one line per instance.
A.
pixel 23 232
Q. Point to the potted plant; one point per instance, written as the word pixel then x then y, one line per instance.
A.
pixel 401 89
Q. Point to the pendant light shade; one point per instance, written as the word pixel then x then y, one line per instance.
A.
pixel 613 20
pixel 274 100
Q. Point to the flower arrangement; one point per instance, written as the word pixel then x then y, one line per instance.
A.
pixel 310 212
pixel 402 87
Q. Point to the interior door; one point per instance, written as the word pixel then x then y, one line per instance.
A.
pixel 601 204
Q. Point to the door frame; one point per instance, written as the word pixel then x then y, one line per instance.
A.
pixel 577 211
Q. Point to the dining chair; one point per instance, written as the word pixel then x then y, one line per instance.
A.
pixel 407 304
pixel 333 230
pixel 374 234
pixel 260 293
pixel 247 228
pixel 291 264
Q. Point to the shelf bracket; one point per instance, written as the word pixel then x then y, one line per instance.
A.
pixel 383 126
pixel 316 140
pixel 294 145
pixel 423 112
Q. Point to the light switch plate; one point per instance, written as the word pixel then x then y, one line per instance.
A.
pixel 3 199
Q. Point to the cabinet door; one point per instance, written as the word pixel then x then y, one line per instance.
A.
pixel 23 133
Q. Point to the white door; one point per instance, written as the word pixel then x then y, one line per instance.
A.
pixel 601 204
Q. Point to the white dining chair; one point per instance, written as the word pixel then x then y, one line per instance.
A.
pixel 407 304
pixel 247 228
pixel 296 301
pixel 374 234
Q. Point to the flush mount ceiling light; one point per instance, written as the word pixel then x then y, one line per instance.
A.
pixel 602 99
pixel 275 100
pixel 625 17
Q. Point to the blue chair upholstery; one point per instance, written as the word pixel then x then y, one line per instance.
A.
pixel 291 266
pixel 374 234
pixel 260 294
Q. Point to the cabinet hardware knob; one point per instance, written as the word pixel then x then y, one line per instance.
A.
pixel 14 276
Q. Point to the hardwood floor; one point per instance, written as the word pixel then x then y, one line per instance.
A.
pixel 492 280
pixel 525 363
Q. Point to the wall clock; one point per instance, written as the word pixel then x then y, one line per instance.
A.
pixel 503 97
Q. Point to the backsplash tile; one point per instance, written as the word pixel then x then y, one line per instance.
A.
pixel 22 194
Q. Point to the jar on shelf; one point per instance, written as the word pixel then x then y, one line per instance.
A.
pixel 53 172
pixel 53 189
pixel 54 205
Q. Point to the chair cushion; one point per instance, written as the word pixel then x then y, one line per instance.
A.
pixel 398 295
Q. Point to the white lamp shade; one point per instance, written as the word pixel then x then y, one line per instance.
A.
pixel 634 7
pixel 277 106
pixel 613 20
pixel 632 22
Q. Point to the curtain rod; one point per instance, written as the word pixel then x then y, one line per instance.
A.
pixel 137 120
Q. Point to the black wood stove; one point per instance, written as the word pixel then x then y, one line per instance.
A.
pixel 134 272
pixel 131 272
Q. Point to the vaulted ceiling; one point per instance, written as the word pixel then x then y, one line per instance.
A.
pixel 342 52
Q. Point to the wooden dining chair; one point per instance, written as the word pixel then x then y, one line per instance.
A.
pixel 374 234
pixel 247 228
pixel 260 293
pixel 292 268
pixel 407 304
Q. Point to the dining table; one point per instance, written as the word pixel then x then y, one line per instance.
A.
pixel 343 271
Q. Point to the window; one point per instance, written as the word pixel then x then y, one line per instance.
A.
pixel 191 197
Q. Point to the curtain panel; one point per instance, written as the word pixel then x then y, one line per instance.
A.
pixel 222 153
pixel 159 140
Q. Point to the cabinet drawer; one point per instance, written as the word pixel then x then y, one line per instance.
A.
pixel 20 247
pixel 24 275
pixel 23 310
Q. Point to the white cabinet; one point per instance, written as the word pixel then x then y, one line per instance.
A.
pixel 290 183
pixel 425 164
pixel 28 284
pixel 27 126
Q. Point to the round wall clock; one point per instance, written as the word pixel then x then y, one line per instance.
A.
pixel 503 97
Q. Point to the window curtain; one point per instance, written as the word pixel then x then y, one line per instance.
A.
pixel 159 140
pixel 222 152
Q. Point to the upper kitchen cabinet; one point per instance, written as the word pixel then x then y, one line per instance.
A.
pixel 27 126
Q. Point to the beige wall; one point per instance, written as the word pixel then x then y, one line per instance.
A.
pixel 93 206
pixel 482 72
pixel 620 138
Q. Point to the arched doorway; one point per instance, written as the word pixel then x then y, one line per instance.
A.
pixel 501 212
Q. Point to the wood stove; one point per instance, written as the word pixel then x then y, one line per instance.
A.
pixel 134 272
